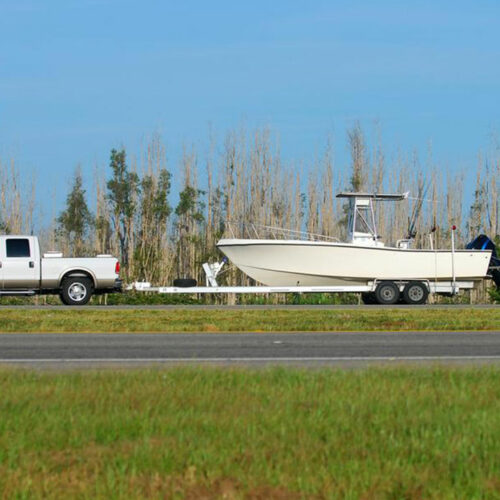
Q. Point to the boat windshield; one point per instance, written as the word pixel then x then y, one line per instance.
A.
pixel 363 215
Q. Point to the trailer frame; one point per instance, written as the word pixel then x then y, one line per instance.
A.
pixel 212 287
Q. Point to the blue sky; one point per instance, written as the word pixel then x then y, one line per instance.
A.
pixel 78 77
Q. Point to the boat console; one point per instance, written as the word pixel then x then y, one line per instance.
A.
pixel 361 225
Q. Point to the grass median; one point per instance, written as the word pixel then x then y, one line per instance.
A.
pixel 226 320
pixel 277 433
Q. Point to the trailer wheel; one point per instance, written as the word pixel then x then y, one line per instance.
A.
pixel 415 293
pixel 387 293
pixel 76 291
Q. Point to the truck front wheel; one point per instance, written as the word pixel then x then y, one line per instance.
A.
pixel 76 291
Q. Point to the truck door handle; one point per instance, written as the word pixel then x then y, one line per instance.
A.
pixel 32 264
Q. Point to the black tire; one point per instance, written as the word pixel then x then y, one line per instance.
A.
pixel 185 282
pixel 368 298
pixel 387 293
pixel 76 291
pixel 415 293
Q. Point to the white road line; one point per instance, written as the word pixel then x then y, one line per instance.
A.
pixel 221 360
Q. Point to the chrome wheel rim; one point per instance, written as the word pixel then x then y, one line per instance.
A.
pixel 77 292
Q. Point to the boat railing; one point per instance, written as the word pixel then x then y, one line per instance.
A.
pixel 252 230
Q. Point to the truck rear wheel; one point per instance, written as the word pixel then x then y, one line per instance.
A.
pixel 76 291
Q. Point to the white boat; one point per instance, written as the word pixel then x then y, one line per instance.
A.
pixel 361 259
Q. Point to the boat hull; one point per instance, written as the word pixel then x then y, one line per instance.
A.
pixel 306 263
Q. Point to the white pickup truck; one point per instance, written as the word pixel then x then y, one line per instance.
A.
pixel 23 271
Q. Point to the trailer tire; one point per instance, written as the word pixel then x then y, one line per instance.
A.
pixel 76 291
pixel 415 293
pixel 387 293
pixel 185 282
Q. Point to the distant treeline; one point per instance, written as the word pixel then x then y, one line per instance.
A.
pixel 159 236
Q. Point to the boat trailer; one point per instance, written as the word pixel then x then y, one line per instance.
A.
pixel 374 291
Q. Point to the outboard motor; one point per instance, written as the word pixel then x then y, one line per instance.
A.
pixel 482 242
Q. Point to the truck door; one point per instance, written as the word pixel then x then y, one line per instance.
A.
pixel 20 264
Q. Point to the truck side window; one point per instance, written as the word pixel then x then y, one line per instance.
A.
pixel 18 248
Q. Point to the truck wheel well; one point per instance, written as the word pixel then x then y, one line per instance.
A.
pixel 78 273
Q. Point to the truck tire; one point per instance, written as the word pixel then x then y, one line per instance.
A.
pixel 387 293
pixel 415 293
pixel 76 291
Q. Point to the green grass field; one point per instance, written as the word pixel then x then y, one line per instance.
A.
pixel 227 433
pixel 227 320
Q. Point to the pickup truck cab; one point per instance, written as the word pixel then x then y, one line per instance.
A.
pixel 24 271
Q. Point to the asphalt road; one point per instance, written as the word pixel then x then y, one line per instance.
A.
pixel 309 349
